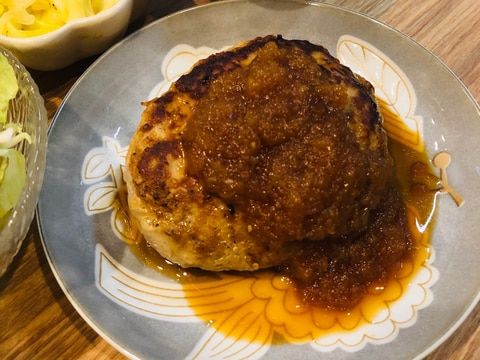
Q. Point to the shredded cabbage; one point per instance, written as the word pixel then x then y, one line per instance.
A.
pixel 28 18
pixel 12 161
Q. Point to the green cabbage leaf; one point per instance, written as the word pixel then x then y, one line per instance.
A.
pixel 12 161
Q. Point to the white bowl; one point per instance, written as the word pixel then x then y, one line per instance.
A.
pixel 77 39
pixel 28 110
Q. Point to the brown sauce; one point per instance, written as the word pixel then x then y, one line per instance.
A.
pixel 269 139
pixel 301 322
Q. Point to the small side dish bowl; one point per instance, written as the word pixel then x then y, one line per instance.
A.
pixel 77 39
pixel 28 110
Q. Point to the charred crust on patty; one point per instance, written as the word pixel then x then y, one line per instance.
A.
pixel 238 208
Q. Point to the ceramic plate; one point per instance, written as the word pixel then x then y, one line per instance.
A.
pixel 148 315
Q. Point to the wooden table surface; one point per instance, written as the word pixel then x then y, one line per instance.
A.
pixel 36 319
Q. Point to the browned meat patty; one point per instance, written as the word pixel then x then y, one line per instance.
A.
pixel 255 150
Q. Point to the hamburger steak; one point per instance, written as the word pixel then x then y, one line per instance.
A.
pixel 256 152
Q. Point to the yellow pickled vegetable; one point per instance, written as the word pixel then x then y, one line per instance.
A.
pixel 28 18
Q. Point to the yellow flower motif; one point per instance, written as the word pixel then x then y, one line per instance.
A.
pixel 247 313
pixel 245 305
